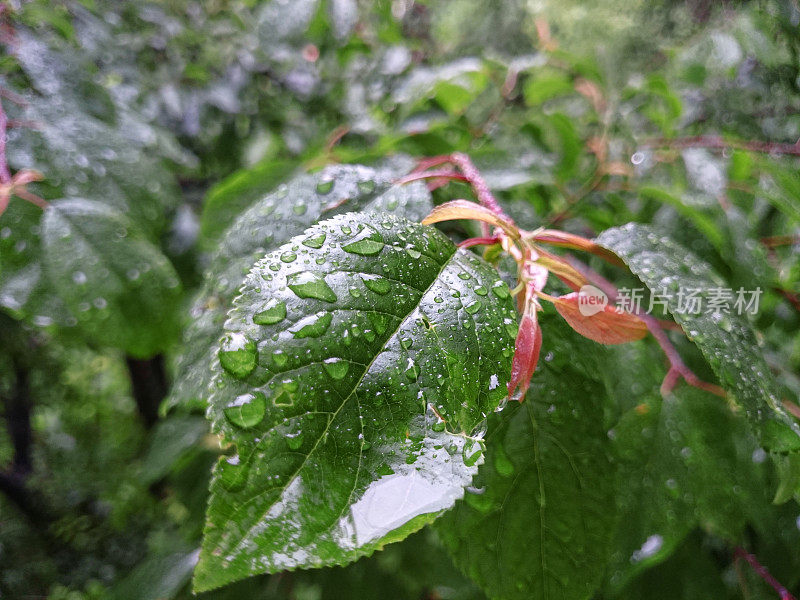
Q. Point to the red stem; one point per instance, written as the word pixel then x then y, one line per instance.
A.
pixel 479 241
pixel 761 570
pixel 485 196
pixel 715 141
pixel 5 174
pixel 677 366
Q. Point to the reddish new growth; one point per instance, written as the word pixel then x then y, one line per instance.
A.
pixel 606 325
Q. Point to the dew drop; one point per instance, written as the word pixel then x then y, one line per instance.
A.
pixel 238 355
pixel 325 186
pixel 313 326
pixel 247 410
pixel 300 208
pixel 501 290
pixel 274 312
pixel 232 473
pixel 366 187
pixel 472 452
pixel 294 440
pixel 377 284
pixel 279 358
pixel 368 243
pixel 310 285
pixel 474 307
pixel 315 241
pixel 336 367
pixel 289 256
pixel 412 370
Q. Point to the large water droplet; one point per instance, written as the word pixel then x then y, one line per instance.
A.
pixel 367 243
pixel 232 473
pixel 474 307
pixel 324 187
pixel 238 355
pixel 315 241
pixel 247 410
pixel 294 440
pixel 274 312
pixel 412 370
pixel 501 290
pixel 310 285
pixel 289 256
pixel 313 326
pixel 472 452
pixel 377 284
pixel 336 367
pixel 366 187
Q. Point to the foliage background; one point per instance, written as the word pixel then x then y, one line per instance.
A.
pixel 180 114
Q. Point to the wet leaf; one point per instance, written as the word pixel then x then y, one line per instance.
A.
pixel 606 326
pixel 268 223
pixel 726 339
pixel 119 287
pixel 539 518
pixel 364 432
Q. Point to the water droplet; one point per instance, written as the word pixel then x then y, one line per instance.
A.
pixel 279 358
pixel 501 290
pixel 367 243
pixel 325 186
pixel 474 307
pixel 464 275
pixel 472 452
pixel 232 473
pixel 380 321
pixel 300 208
pixel 310 285
pixel 294 440
pixel 377 284
pixel 274 312
pixel 336 367
pixel 412 370
pixel 289 256
pixel 238 355
pixel 406 343
pixel 313 326
pixel 366 187
pixel 415 254
pixel 315 241
pixel 247 410
pixel 79 277
pixel 481 291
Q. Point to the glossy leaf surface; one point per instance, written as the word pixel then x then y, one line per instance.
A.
pixel 539 519
pixel 121 289
pixel 357 361
pixel 725 338
pixel 267 224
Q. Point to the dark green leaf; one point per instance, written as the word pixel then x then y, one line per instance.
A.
pixel 118 286
pixel 335 408
pixel 725 339
pixel 270 222
pixel 539 522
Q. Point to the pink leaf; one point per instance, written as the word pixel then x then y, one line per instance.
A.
pixel 601 324
pixel 526 356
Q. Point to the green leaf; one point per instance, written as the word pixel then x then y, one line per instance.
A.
pixel 267 224
pixel 541 516
pixel 334 409
pixel 543 88
pixel 726 340
pixel 231 196
pixel 118 285
pixel 686 460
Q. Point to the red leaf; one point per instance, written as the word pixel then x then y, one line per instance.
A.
pixel 526 355
pixel 601 324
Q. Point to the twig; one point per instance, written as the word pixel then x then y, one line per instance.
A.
pixel 740 553
pixel 718 142
pixel 5 174
pixel 677 368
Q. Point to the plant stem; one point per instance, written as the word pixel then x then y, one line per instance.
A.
pixel 148 385
pixel 740 553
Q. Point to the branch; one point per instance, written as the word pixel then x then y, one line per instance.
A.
pixel 740 553
pixel 718 142
pixel 148 385
pixel 677 368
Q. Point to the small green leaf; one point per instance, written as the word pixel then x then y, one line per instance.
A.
pixel 354 427
pixel 120 288
pixel 539 520
pixel 725 338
